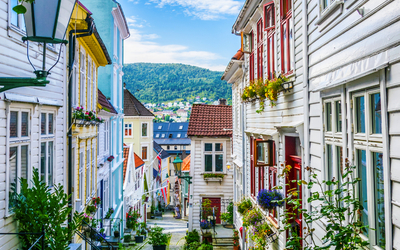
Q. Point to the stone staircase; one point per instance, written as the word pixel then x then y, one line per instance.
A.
pixel 222 242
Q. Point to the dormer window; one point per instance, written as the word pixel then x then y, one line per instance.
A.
pixel 159 127
pixel 179 136
pixel 180 127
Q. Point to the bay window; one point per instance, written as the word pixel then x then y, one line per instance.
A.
pixel 287 57
pixel 213 157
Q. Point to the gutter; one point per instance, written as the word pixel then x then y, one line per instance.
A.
pixel 306 147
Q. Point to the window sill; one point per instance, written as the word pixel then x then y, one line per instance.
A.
pixel 330 14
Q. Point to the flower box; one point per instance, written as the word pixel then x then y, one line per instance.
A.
pixel 110 158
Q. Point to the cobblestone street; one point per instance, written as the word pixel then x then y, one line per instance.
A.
pixel 176 227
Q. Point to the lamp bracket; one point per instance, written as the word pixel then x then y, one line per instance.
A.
pixel 7 83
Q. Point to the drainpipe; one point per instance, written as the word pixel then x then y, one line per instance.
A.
pixel 71 60
pixel 306 146
pixel 243 148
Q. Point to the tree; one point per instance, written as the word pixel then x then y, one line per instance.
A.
pixel 40 206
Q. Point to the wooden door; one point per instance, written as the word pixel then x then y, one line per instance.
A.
pixel 216 203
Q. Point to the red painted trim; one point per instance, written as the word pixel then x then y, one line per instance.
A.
pixel 272 9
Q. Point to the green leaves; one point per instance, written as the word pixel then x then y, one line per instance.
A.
pixel 41 206
pixel 20 9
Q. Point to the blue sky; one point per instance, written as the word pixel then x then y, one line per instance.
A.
pixel 194 32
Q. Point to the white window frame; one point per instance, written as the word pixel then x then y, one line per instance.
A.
pixel 87 174
pixel 93 176
pixel 82 177
pixel 147 151
pixel 48 138
pixel 147 130
pixel 82 78
pixel 213 153
pixel 20 27
pixel 130 127
pixel 106 136
pixel 17 142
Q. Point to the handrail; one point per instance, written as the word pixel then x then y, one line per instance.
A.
pixel 87 240
pixel 42 235
pixel 84 223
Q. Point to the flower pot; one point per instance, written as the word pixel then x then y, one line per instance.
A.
pixel 164 247
pixel 116 234
pixel 139 239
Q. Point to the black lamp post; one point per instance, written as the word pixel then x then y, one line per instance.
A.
pixel 46 21
pixel 178 169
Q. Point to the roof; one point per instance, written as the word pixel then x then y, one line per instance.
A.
pixel 210 120
pixel 138 161
pixel 186 164
pixel 184 141
pixel 132 106
pixel 126 156
pixel 105 104
pixel 158 148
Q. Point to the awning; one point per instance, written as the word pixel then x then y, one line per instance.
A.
pixel 31 99
pixel 289 124
pixel 258 131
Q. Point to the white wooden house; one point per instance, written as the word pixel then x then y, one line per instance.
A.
pixel 210 131
pixel 272 46
pixel 32 119
pixel 354 82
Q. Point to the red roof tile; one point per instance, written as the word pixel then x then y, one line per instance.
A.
pixel 105 103
pixel 138 161
pixel 210 120
pixel 126 156
pixel 186 164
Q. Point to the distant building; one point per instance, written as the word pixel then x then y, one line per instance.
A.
pixel 181 113
pixel 165 170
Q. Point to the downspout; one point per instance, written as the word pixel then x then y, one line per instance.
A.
pixel 306 146
pixel 243 147
pixel 71 60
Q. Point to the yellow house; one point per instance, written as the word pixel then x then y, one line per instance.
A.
pixel 89 53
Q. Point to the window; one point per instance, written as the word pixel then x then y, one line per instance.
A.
pixel 178 136
pixel 93 170
pixel 170 136
pixel 160 127
pixel 74 85
pixel 264 153
pixel 47 148
pixel 144 153
pixel 106 136
pixel 366 108
pixel 252 58
pixel 287 58
pixel 175 147
pixel 269 19
pixel 94 88
pixel 157 135
pixel 272 180
pixel 89 85
pixel 105 195
pixel 128 129
pixel 168 147
pixel 144 129
pixel 163 135
pixel 260 49
pixel 18 168
pixel 16 20
pixel 81 177
pixel 82 80
pixel 326 3
pixel 213 157
pixel 88 172
pixel 180 127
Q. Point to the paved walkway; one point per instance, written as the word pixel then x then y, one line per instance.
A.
pixel 171 225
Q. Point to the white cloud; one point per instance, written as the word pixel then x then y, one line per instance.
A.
pixel 142 48
pixel 135 22
pixel 204 9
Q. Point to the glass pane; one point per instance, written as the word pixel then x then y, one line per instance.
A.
pixel 339 162
pixel 328 112
pixel 24 162
pixel 379 199
pixel 219 161
pixel 219 147
pixel 43 124
pixel 362 191
pixel 51 124
pixel 207 146
pixel 42 161
pixel 262 153
pixel 14 15
pixel 208 163
pixel 376 113
pixel 13 124
pixel 24 123
pixel 50 162
pixel 338 116
pixel 329 158
pixel 13 173
pixel 360 114
pixel 144 129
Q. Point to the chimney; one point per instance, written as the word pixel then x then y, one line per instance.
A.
pixel 222 101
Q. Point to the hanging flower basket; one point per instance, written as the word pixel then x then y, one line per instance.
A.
pixel 268 199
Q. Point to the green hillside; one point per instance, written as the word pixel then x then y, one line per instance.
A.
pixel 157 82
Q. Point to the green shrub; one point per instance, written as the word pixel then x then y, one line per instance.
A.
pixel 42 206
pixel 157 237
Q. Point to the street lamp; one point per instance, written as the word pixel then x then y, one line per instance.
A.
pixel 178 168
pixel 46 21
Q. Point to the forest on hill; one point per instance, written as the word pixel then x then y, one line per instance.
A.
pixel 158 82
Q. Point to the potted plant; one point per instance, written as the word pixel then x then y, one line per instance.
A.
pixel 213 177
pixel 244 205
pixel 235 240
pixel 78 116
pixel 204 224
pixel 269 199
pixel 109 213
pixel 127 238
pixel 158 239
pixel 116 230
